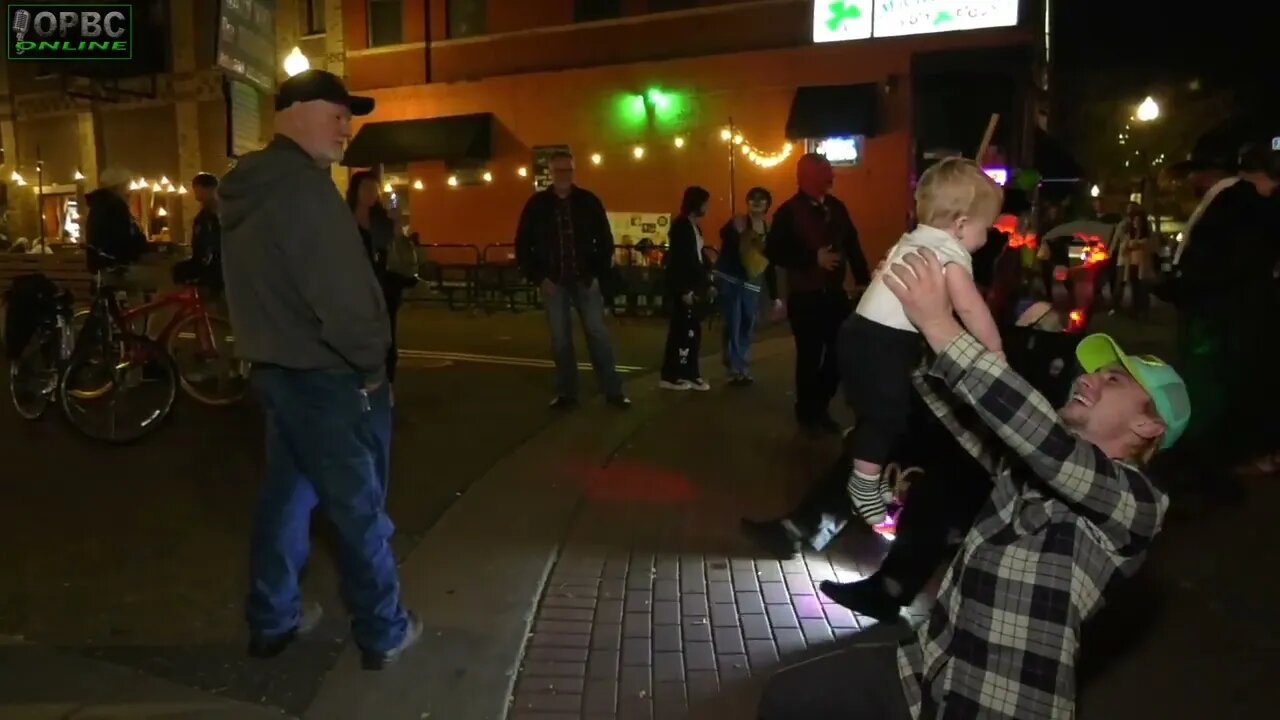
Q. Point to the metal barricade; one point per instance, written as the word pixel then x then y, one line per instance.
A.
pixel 449 272
pixel 501 282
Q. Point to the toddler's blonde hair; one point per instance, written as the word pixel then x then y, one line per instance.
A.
pixel 956 188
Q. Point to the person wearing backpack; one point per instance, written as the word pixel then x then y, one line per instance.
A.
pixel 393 254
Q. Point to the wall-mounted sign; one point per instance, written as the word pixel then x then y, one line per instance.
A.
pixel 894 18
pixel 839 151
pixel 839 20
pixel 1275 143
pixel 247 41
pixel 244 118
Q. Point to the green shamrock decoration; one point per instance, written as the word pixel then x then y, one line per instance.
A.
pixel 840 12
pixel 943 16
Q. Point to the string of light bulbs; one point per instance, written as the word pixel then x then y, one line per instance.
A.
pixel 754 154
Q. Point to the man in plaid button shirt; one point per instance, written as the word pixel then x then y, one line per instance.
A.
pixel 1070 515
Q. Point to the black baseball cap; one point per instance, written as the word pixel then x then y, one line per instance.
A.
pixel 320 85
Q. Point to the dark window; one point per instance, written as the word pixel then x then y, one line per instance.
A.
pixel 315 17
pixel 386 22
pixel 669 5
pixel 467 18
pixel 588 10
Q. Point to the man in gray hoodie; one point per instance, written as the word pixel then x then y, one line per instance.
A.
pixel 309 314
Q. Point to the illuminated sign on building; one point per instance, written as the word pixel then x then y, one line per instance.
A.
pixel 839 20
pixel 837 150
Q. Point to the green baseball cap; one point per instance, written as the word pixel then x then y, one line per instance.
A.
pixel 1165 386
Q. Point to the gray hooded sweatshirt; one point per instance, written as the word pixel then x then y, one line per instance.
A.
pixel 300 289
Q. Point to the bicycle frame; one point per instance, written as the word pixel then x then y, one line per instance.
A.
pixel 188 302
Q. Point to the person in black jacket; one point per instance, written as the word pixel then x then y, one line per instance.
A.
pixel 377 228
pixel 814 240
pixel 564 246
pixel 688 290
pixel 113 240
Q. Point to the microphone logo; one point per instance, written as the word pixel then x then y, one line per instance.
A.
pixel 21 23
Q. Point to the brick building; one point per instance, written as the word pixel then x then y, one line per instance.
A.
pixel 647 88
pixel 472 93
pixel 169 124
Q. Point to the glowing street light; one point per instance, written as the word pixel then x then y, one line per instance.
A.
pixel 1149 110
pixel 295 62
pixel 1095 191
pixel 523 172
pixel 679 141
pixel 638 151
pixel 596 158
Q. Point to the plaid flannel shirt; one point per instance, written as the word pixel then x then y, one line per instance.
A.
pixel 1064 522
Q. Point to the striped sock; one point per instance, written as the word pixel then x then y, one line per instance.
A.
pixel 864 491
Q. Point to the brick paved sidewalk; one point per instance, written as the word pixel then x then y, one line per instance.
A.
pixel 656 601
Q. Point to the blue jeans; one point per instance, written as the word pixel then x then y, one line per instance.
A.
pixel 590 304
pixel 328 443
pixel 739 306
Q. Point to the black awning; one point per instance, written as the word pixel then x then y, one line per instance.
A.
pixel 823 111
pixel 457 137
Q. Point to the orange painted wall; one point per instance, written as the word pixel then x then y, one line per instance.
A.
pixel 576 108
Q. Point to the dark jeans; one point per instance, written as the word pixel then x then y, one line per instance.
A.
pixel 815 324
pixel 328 444
pixel 590 304
pixel 739 307
pixel 684 343
pixel 856 683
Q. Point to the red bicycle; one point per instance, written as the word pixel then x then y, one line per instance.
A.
pixel 202 345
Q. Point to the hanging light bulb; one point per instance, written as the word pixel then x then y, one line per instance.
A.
pixel 596 159
pixel 488 176
pixel 726 135
pixel 737 139
pixel 679 142
pixel 161 212
pixel 17 177
pixel 453 181
pixel 386 188
pixel 638 152
pixel 182 189
pixel 164 180
pixel 156 188
pixel 417 185
pixel 79 176
pixel 523 172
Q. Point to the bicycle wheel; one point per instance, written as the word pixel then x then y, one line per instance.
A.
pixel 203 348
pixel 33 375
pixel 141 385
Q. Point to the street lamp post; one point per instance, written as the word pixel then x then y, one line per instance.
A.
pixel 1147 113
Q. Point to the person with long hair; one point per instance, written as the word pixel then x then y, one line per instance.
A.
pixel 1133 264
pixel 688 289
pixel 741 270
pixel 377 230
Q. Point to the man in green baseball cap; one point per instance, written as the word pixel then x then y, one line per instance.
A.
pixel 1101 359
pixel 1070 513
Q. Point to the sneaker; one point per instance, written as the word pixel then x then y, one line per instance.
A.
pixel 699 384
pixel 379 660
pixel 675 385
pixel 265 648
pixel 563 402
pixel 622 402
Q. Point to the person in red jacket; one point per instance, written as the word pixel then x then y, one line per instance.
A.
pixel 814 240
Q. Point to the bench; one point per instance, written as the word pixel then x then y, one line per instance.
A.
pixel 66 269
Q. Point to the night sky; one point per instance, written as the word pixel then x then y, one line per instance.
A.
pixel 1150 41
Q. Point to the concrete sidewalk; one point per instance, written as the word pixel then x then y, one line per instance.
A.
pixel 38 683
pixel 598 573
